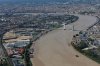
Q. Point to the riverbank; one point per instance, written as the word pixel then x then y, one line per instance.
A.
pixel 87 43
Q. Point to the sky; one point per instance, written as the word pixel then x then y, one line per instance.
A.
pixel 33 1
pixel 44 1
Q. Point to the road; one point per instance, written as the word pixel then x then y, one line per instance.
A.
pixel 54 49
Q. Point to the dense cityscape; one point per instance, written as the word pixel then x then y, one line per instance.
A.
pixel 49 33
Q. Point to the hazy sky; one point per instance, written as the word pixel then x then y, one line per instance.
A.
pixel 46 1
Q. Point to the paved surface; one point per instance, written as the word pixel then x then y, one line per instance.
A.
pixel 54 49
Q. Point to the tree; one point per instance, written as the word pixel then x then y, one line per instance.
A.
pixel 90 39
pixel 82 45
pixel 80 32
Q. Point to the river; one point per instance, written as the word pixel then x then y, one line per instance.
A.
pixel 54 49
